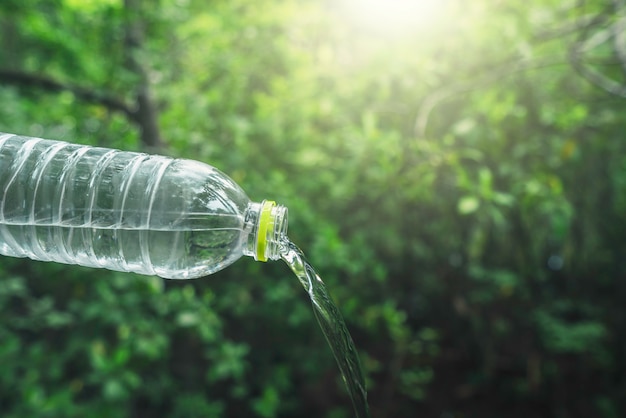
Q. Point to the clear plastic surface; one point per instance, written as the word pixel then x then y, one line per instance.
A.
pixel 119 210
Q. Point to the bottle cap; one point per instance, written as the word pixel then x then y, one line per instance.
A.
pixel 266 223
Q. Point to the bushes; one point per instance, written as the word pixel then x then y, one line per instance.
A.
pixel 478 261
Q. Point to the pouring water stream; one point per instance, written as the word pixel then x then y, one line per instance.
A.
pixel 332 325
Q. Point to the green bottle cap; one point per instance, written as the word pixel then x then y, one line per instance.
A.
pixel 266 223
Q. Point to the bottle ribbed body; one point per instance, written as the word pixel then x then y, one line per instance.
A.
pixel 118 210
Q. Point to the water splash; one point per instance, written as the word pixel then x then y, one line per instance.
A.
pixel 333 326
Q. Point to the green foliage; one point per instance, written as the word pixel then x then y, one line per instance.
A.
pixel 460 186
pixel 562 337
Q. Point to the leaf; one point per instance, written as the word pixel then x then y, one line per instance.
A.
pixel 468 205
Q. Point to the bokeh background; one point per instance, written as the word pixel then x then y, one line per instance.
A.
pixel 455 170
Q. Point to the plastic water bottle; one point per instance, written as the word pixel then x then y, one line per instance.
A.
pixel 128 211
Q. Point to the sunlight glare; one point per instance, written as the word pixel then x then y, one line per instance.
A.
pixel 393 16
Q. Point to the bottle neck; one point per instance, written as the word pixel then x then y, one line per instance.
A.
pixel 267 223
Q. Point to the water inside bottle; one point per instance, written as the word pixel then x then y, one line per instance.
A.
pixel 332 325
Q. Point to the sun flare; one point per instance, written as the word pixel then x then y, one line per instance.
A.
pixel 393 16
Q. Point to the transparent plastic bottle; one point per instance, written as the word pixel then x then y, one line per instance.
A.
pixel 128 211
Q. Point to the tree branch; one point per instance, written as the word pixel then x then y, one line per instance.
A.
pixel 594 77
pixel 142 110
pixel 569 28
pixel 619 33
pixel 147 114
pixel 587 43
pixel 443 94
pixel 24 79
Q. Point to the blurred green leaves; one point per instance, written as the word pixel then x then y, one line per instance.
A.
pixel 461 192
pixel 570 337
